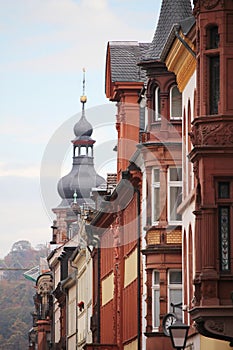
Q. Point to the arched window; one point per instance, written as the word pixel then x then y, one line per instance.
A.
pixel 157 104
pixel 176 103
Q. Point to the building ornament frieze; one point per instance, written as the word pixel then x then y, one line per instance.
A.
pixel 212 133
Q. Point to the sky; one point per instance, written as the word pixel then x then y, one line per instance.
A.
pixel 44 46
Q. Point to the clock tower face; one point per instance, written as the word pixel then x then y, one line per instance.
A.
pixel 209 4
pixel 168 320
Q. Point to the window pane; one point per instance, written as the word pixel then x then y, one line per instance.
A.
pixel 156 278
pixel 213 38
pixel 175 201
pixel 156 308
pixel 224 218
pixel 156 175
pixel 175 277
pixel 176 298
pixel 175 174
pixel 176 110
pixel 224 190
pixel 157 103
pixel 214 84
pixel 156 203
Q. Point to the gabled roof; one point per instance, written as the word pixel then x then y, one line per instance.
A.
pixel 124 56
pixel 172 12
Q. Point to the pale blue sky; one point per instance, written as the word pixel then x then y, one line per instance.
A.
pixel 44 46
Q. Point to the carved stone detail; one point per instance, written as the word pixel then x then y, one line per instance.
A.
pixel 214 326
pixel 210 4
pixel 212 134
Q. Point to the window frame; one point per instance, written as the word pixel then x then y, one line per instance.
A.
pixel 173 184
pixel 172 287
pixel 224 202
pixel 155 184
pixel 157 104
pixel 172 103
pixel 155 311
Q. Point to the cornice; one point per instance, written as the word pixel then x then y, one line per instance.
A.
pixel 181 62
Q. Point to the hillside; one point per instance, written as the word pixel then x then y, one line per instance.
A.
pixel 16 296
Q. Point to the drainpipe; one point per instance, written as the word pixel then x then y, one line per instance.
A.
pixel 137 191
pixel 126 175
pixel 76 307
pixel 98 295
pixel 184 43
pixel 96 243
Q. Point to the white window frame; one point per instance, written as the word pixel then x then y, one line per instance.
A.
pixel 153 186
pixel 171 104
pixel 157 115
pixel 155 311
pixel 174 286
pixel 172 184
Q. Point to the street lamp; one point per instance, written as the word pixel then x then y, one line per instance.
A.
pixel 178 334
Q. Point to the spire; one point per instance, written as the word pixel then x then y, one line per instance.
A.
pixel 171 12
pixel 76 186
pixel 83 98
pixel 83 129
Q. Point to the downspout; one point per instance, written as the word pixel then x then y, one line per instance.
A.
pixel 125 175
pixel 98 295
pixel 184 43
pixel 96 243
pixel 98 286
pixel 76 307
pixel 137 191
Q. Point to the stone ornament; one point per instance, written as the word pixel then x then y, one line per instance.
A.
pixel 209 4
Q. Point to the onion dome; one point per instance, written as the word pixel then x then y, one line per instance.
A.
pixel 82 177
pixel 83 129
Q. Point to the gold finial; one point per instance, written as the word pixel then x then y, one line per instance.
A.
pixel 83 98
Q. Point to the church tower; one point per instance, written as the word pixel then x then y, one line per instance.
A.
pixel 76 186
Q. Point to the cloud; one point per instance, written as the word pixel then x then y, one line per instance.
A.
pixel 63 35
pixel 19 170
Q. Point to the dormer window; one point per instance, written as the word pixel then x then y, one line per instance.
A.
pixel 157 104
pixel 176 103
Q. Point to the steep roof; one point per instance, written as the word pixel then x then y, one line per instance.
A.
pixel 172 12
pixel 124 56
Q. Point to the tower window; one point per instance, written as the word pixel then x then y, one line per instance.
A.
pixel 212 38
pixel 224 223
pixel 224 190
pixel 224 230
pixel 214 83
